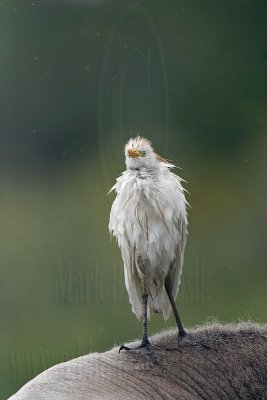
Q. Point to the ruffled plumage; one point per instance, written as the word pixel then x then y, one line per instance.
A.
pixel 149 220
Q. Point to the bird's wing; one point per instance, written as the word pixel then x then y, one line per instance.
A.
pixel 176 267
pixel 177 264
pixel 132 280
pixel 117 221
pixel 177 222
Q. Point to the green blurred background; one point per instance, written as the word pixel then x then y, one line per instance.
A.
pixel 79 77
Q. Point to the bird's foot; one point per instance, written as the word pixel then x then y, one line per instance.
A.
pixel 182 334
pixel 145 344
pixel 122 347
pixel 184 339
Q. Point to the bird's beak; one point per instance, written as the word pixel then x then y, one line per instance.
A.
pixel 133 153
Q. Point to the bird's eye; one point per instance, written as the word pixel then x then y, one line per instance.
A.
pixel 143 153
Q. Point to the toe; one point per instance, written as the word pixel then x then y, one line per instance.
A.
pixel 124 348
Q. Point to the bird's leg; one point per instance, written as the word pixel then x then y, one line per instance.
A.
pixel 168 287
pixel 145 342
pixel 182 333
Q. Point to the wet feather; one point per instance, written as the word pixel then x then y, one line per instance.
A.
pixel 149 220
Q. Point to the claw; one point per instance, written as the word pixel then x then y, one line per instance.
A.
pixel 124 348
pixel 144 344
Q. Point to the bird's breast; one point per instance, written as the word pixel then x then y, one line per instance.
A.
pixel 147 217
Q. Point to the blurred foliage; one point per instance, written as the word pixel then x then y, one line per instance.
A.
pixel 77 78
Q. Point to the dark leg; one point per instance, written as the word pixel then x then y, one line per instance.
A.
pixel 168 287
pixel 145 342
pixel 181 333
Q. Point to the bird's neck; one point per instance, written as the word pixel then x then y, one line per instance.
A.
pixel 143 172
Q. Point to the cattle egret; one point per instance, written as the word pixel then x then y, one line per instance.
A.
pixel 149 220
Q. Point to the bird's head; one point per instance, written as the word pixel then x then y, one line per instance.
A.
pixel 139 153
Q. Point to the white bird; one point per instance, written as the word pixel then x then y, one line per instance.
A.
pixel 149 219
